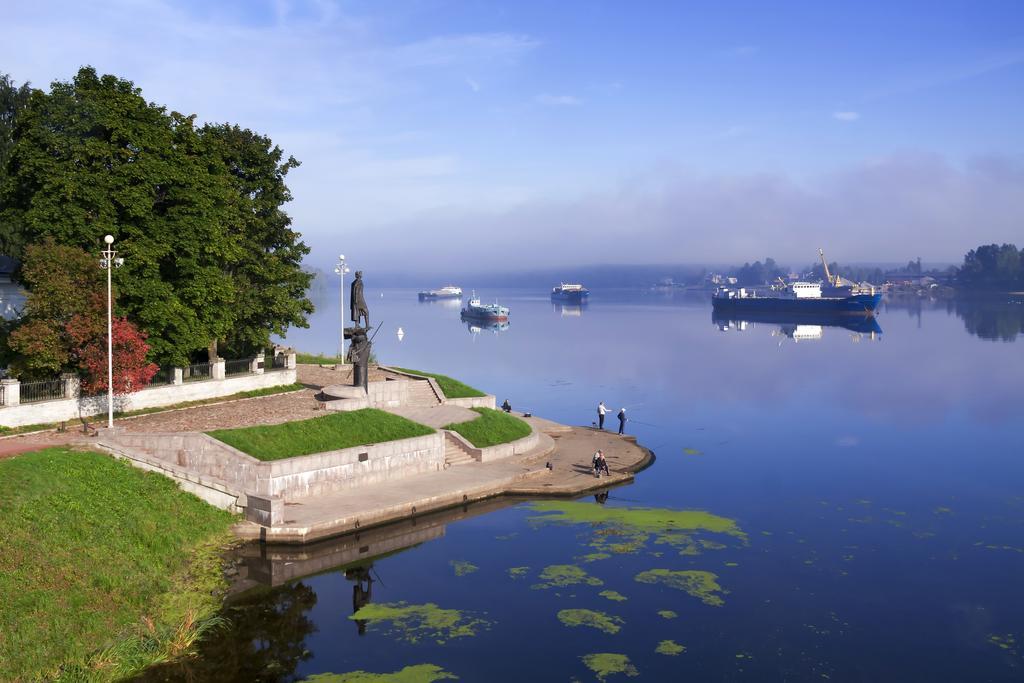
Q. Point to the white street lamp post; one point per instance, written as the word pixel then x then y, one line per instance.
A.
pixel 341 268
pixel 108 263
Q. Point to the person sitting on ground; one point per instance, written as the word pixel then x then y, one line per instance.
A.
pixel 506 406
pixel 596 463
pixel 602 464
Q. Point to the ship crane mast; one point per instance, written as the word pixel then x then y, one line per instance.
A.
pixel 834 281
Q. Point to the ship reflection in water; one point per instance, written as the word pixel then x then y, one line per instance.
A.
pixel 475 326
pixel 801 327
pixel 569 310
pixel 450 303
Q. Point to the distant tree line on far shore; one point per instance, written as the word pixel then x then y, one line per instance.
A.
pixel 989 267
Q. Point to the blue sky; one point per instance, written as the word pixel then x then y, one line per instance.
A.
pixel 584 132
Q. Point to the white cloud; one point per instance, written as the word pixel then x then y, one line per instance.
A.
pixel 559 100
pixel 473 85
pixel 846 116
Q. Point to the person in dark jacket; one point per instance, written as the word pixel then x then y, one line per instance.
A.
pixel 506 406
pixel 622 420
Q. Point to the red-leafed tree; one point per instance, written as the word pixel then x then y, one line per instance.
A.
pixel 132 371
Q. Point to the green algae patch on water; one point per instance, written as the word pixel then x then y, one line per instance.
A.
pixel 608 623
pixel 593 557
pixel 646 519
pixel 518 572
pixel 615 596
pixel 699 584
pixel 667 614
pixel 414 623
pixel 692 451
pixel 565 575
pixel 605 664
pixel 669 647
pixel 420 673
pixel 627 530
pixel 462 567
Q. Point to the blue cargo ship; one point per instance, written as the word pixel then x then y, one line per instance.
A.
pixel 798 298
pixel 474 310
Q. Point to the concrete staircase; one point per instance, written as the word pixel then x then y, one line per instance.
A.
pixel 454 452
pixel 421 395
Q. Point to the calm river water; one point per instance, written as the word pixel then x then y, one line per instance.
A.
pixel 865 500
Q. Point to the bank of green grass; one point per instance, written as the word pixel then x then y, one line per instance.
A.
pixel 452 388
pixel 315 358
pixel 319 434
pixel 104 569
pixel 493 427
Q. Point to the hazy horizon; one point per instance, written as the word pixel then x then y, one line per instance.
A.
pixel 436 135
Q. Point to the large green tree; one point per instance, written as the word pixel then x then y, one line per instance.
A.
pixel 269 281
pixel 196 212
pixel 13 100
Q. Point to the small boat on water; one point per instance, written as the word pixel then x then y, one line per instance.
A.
pixel 567 292
pixel 475 310
pixel 446 292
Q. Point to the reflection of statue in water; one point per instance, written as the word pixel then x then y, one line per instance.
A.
pixel 601 497
pixel 357 302
pixel 360 596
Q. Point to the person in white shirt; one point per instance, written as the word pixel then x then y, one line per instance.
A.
pixel 601 410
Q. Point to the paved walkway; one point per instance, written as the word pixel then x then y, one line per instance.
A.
pixel 436 416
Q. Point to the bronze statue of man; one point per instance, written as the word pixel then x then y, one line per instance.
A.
pixel 357 302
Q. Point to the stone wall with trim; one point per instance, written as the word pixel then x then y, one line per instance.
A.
pixel 261 486
pixel 60 410
pixel 472 402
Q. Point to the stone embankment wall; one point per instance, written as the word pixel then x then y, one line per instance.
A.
pixel 212 470
pixel 504 450
pixel 472 402
pixel 154 396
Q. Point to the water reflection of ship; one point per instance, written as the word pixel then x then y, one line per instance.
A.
pixel 569 310
pixel 475 327
pixel 800 327
pixel 448 303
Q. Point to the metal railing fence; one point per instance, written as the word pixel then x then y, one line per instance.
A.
pixel 47 390
pixel 162 376
pixel 272 362
pixel 242 366
pixel 196 372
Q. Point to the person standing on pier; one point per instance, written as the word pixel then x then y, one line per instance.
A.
pixel 622 420
pixel 601 410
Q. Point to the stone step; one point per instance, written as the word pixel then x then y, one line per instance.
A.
pixel 421 394
pixel 454 452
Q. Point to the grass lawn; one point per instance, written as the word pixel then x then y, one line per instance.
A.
pixel 493 427
pixel 452 388
pixel 104 569
pixel 315 359
pixel 319 434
